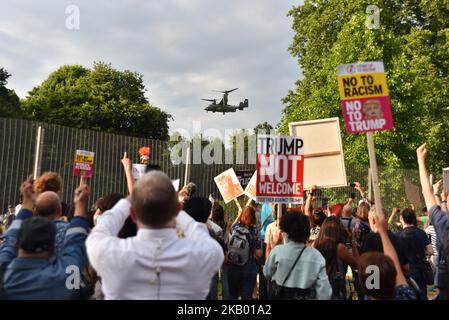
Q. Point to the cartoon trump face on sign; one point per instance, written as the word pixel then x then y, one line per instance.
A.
pixel 372 109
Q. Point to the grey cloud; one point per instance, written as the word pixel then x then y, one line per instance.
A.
pixel 184 49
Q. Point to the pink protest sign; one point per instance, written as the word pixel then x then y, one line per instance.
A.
pixel 84 162
pixel 364 97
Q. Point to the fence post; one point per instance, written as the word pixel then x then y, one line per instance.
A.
pixel 38 152
pixel 187 172
pixel 369 183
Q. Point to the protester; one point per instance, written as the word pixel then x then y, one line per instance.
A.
pixel 373 242
pixel 331 244
pixel 9 217
pixel 218 217
pixel 273 235
pixel 266 218
pixel 199 209
pixel 51 181
pixel 34 271
pixel 48 205
pixel 417 246
pixel 317 215
pixel 187 192
pixel 244 247
pixel 392 283
pixel 348 220
pixel 297 271
pixel 431 234
pixel 317 218
pixel 156 263
pixel 440 221
pixel 362 228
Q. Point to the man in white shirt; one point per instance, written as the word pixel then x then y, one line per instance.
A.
pixel 155 264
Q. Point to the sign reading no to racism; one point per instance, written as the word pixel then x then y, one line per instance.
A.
pixel 364 97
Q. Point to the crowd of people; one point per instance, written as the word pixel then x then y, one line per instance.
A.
pixel 157 243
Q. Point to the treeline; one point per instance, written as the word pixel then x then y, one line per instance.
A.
pixel 101 98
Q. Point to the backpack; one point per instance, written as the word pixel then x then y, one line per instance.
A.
pixel 361 229
pixel 238 245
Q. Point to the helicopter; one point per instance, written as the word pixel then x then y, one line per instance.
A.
pixel 223 105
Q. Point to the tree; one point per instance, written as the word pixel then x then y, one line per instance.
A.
pixel 9 101
pixel 263 127
pixel 102 98
pixel 412 40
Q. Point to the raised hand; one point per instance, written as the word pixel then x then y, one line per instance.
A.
pixel 80 200
pixel 126 162
pixel 359 188
pixel 444 195
pixel 28 193
pixel 421 152
pixel 437 186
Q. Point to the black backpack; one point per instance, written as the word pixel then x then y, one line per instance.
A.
pixel 362 229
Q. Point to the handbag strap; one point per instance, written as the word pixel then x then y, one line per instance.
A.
pixel 293 266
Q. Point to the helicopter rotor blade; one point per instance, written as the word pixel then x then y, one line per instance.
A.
pixel 229 91
pixel 225 91
pixel 210 100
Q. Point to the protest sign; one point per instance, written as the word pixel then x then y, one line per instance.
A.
pixel 321 156
pixel 412 193
pixel 84 162
pixel 176 184
pixel 280 169
pixel 138 170
pixel 364 97
pixel 228 185
pixel 445 180
pixel 250 189
pixel 244 177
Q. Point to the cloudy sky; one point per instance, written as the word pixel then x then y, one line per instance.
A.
pixel 184 49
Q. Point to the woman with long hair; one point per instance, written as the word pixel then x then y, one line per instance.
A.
pixel 243 245
pixel 331 244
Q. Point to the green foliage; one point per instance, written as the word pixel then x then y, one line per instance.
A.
pixel 264 127
pixel 413 42
pixel 9 101
pixel 101 98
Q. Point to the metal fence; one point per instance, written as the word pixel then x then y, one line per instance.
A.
pixel 58 145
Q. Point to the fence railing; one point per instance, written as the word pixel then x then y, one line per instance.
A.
pixel 58 145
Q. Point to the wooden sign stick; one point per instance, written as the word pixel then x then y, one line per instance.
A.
pixel 374 174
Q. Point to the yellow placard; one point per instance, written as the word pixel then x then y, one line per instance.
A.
pixel 364 85
pixel 84 159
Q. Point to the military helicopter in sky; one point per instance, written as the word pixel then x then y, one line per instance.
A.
pixel 223 105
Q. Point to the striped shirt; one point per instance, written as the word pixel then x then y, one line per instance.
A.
pixel 430 230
